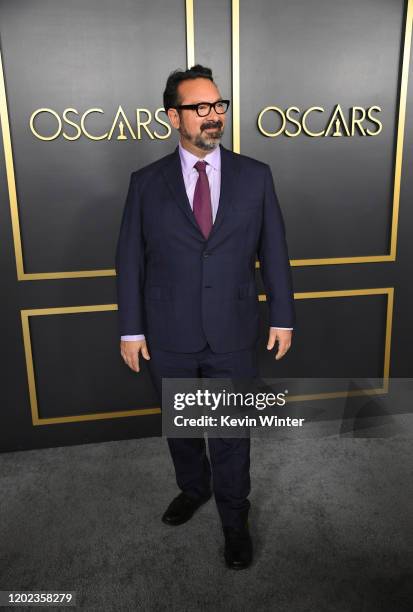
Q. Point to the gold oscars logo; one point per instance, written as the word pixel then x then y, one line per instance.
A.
pixel 337 125
pixel 79 125
pixel 271 121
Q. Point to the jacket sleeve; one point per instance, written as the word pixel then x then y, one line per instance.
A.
pixel 274 261
pixel 130 268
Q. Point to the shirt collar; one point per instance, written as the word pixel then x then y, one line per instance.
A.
pixel 188 159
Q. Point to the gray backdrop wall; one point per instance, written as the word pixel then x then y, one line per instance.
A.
pixel 291 70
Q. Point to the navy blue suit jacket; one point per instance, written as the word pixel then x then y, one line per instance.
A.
pixel 182 290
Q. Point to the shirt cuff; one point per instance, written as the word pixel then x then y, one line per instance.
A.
pixel 135 337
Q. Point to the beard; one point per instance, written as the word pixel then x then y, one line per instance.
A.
pixel 207 141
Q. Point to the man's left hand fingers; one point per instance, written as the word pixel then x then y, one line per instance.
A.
pixel 283 338
pixel 282 349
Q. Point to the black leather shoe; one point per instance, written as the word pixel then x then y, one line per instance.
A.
pixel 181 509
pixel 238 547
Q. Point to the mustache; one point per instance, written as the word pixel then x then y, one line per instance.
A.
pixel 217 125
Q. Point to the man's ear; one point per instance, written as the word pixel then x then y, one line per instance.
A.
pixel 173 117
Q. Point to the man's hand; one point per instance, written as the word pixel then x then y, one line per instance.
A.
pixel 129 349
pixel 284 341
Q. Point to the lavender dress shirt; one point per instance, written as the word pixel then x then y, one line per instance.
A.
pixel 190 174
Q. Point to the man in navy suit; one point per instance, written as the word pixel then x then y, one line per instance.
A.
pixel 193 223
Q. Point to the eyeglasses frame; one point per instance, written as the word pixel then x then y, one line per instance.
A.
pixel 211 105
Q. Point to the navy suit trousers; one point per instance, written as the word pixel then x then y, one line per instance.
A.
pixel 229 462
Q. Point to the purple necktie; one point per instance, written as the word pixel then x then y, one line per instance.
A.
pixel 202 200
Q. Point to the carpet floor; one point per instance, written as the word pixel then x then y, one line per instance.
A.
pixel 331 520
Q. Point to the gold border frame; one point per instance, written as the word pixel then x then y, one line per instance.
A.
pixel 389 291
pixel 11 178
pixel 399 144
pixel 37 420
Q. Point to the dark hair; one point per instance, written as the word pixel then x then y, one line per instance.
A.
pixel 170 95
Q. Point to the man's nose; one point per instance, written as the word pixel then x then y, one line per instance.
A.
pixel 213 115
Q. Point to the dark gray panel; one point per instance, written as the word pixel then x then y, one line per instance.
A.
pixel 336 193
pixel 335 336
pixel 78 371
pixel 83 55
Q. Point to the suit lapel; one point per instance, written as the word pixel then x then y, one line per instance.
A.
pixel 173 175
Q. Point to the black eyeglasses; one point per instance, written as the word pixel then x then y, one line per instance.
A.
pixel 204 108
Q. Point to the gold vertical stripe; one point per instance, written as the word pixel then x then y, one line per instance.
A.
pixel 236 127
pixel 401 128
pixel 190 42
pixel 11 180
pixel 387 350
pixel 30 367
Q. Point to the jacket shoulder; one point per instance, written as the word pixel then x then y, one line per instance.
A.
pixel 153 167
pixel 245 162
